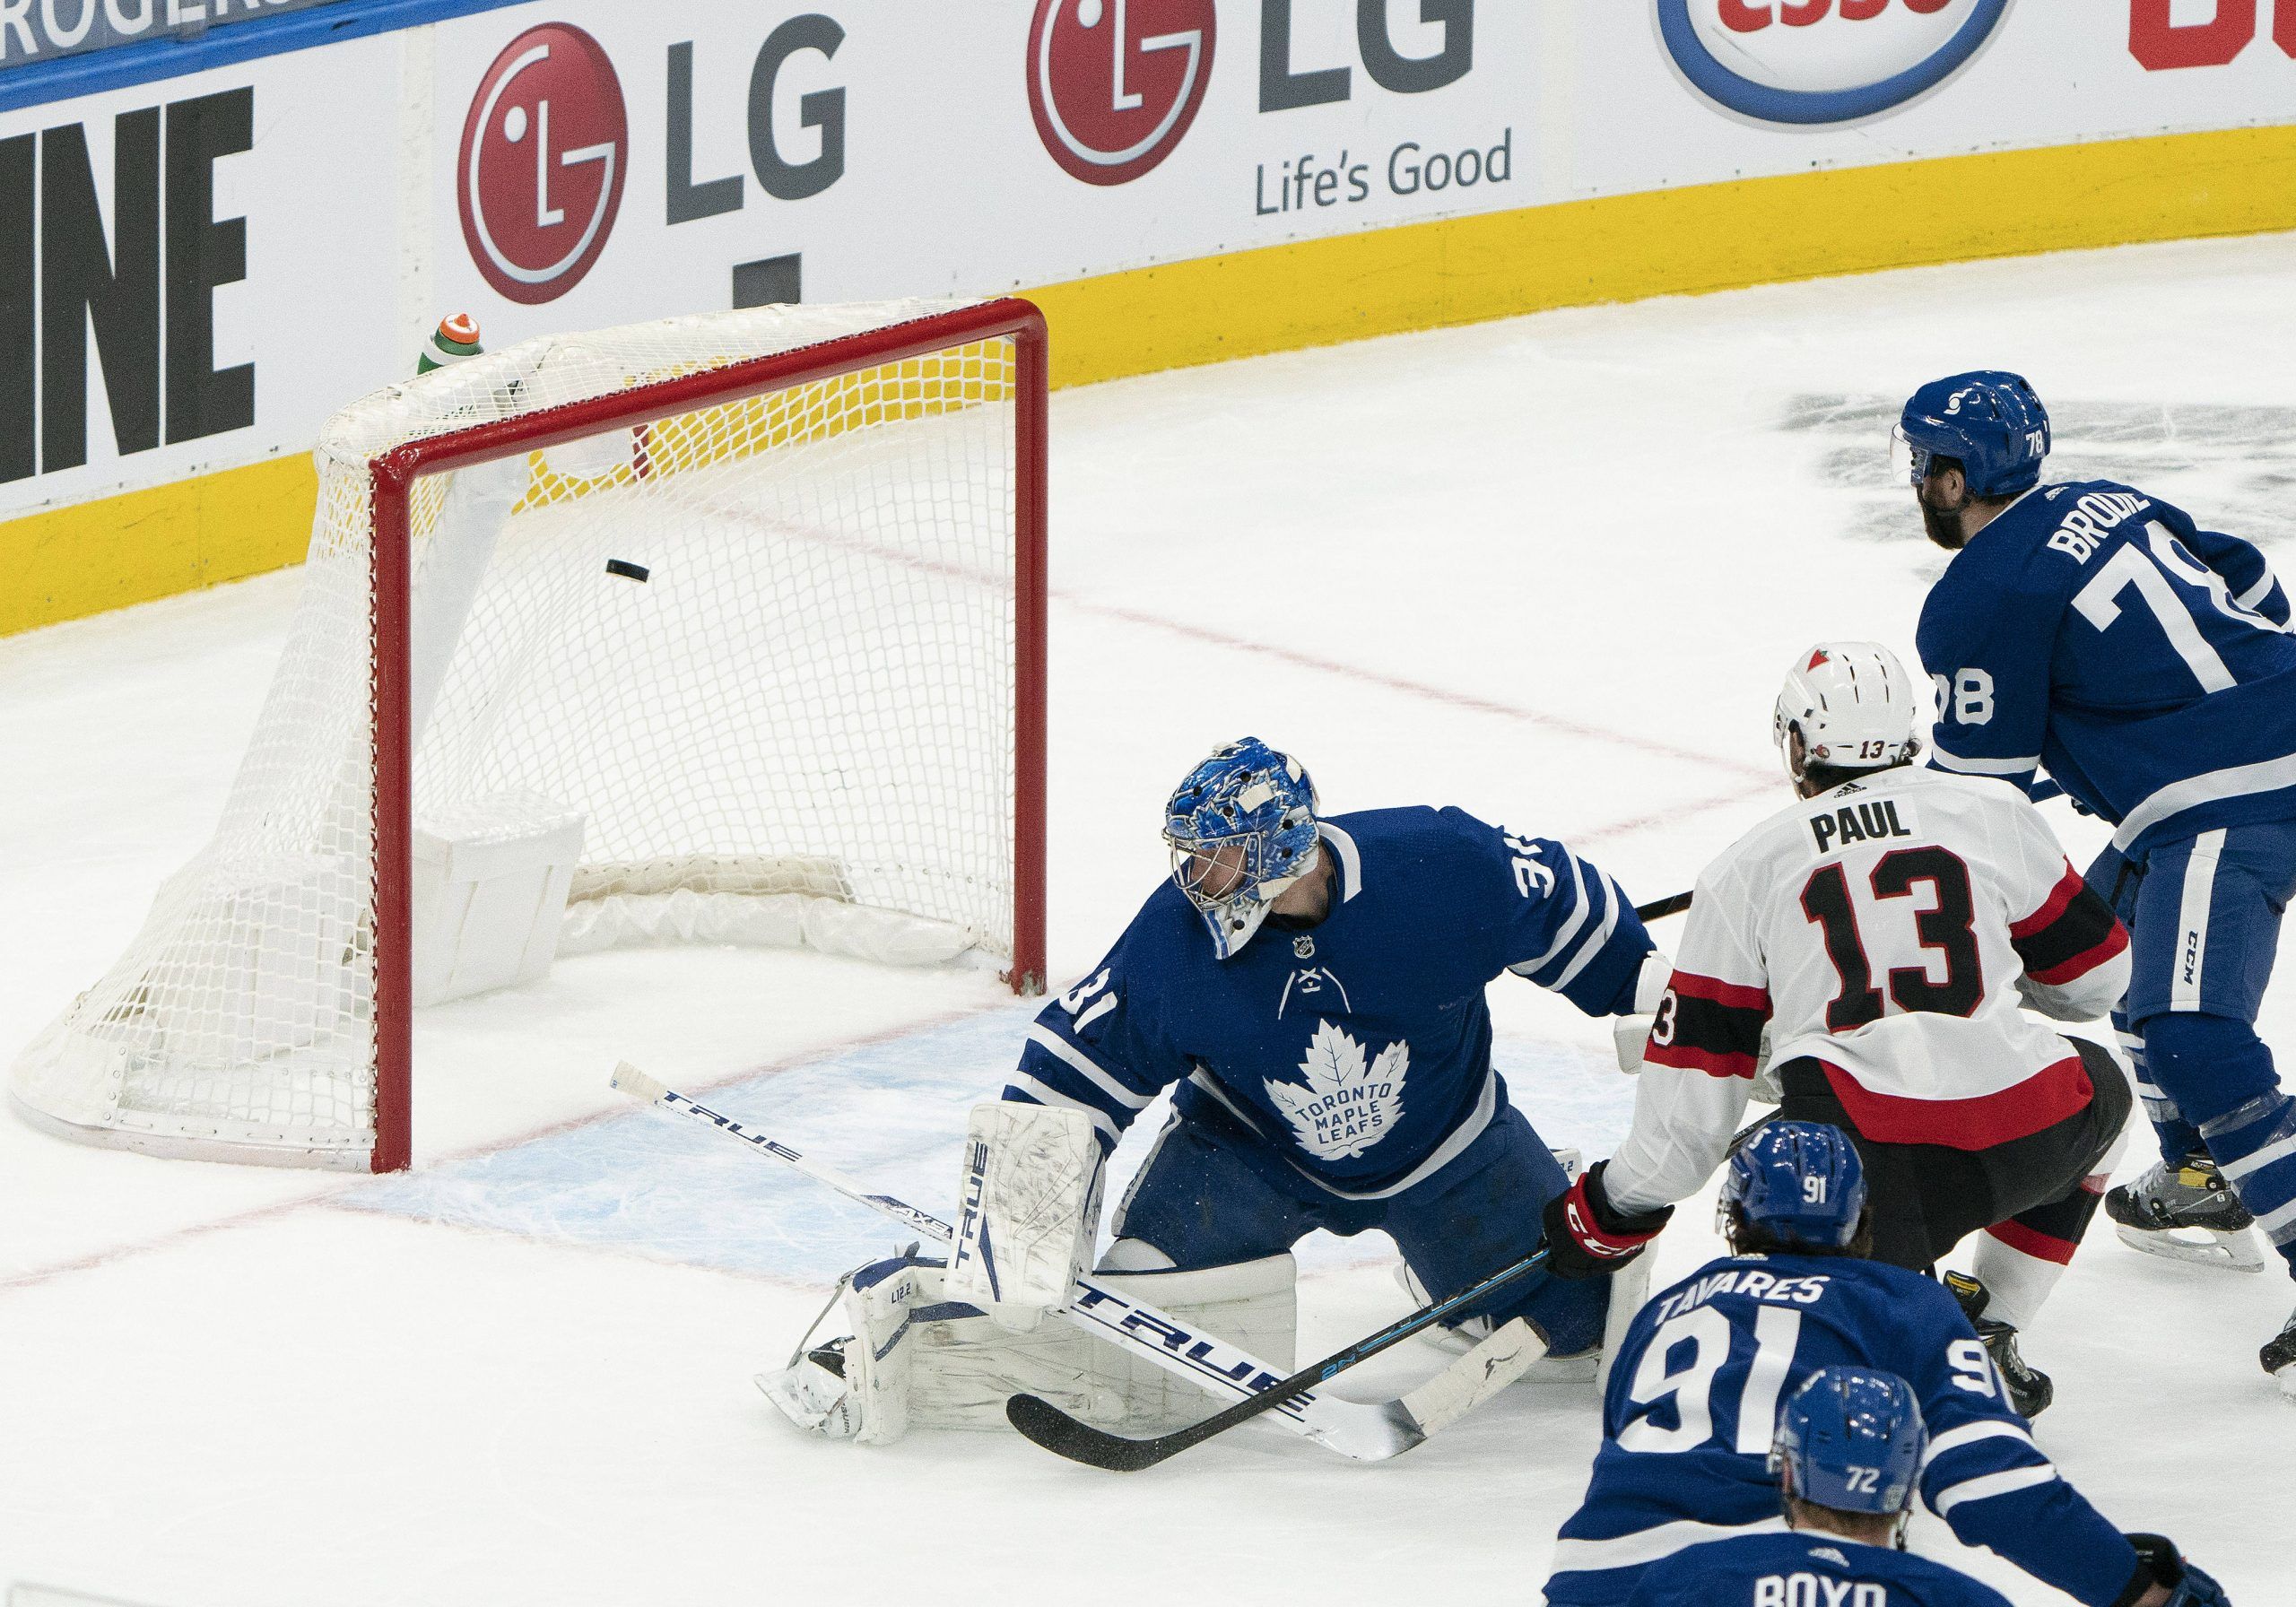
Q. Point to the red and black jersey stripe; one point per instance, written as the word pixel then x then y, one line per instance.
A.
pixel 1707 1026
pixel 2072 933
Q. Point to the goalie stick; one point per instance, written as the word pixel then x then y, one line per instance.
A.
pixel 1365 1431
pixel 1424 1408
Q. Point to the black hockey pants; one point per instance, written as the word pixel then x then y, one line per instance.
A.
pixel 1926 1198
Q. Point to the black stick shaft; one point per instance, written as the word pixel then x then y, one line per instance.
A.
pixel 1658 909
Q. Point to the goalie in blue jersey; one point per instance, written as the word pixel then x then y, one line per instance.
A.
pixel 1690 1415
pixel 2099 634
pixel 1311 987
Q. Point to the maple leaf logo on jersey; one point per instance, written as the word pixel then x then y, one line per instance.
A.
pixel 1349 1102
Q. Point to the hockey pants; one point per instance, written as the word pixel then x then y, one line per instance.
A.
pixel 2033 1195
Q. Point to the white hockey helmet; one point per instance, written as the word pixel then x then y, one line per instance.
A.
pixel 1854 705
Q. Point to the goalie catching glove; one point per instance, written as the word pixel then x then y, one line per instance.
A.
pixel 1028 1204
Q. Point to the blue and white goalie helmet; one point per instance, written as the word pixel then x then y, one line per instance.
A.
pixel 1850 1438
pixel 1801 1183
pixel 1853 705
pixel 1989 419
pixel 1241 829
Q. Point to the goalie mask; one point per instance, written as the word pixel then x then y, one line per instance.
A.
pixel 1241 829
pixel 1852 704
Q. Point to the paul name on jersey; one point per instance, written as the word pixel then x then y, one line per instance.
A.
pixel 2144 662
pixel 1360 1048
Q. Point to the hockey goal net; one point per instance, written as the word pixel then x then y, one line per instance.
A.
pixel 751 603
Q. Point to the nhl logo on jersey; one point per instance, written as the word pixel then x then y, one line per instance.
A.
pixel 1303 947
pixel 1351 1099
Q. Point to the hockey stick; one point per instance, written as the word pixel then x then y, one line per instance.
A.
pixel 1056 1430
pixel 1367 1432
pixel 1658 909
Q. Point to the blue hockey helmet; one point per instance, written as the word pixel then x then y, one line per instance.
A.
pixel 1989 419
pixel 1849 1439
pixel 1241 829
pixel 1801 1183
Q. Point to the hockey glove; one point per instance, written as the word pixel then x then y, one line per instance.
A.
pixel 2158 1562
pixel 1588 1236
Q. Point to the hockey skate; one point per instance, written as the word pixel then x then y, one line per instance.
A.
pixel 2190 1214
pixel 2279 1357
pixel 2029 1389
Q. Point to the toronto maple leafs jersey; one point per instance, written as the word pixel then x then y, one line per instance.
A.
pixel 1805 1569
pixel 1692 1402
pixel 1359 1047
pixel 1890 929
pixel 2143 662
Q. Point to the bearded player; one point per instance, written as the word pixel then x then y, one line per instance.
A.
pixel 1887 928
pixel 2095 632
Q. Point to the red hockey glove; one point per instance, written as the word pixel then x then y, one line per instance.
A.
pixel 1588 1236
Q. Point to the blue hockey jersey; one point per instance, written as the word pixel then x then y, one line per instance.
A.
pixel 1359 1047
pixel 1807 1569
pixel 1693 1399
pixel 2143 662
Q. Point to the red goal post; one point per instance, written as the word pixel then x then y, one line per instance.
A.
pixel 393 476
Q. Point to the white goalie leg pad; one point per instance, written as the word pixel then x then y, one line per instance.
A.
pixel 1253 1305
pixel 857 1389
pixel 963 1367
pixel 919 1359
pixel 1028 1202
pixel 1629 1290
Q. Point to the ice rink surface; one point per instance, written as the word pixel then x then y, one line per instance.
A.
pixel 1550 569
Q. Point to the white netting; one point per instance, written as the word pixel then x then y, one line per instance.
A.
pixel 798 725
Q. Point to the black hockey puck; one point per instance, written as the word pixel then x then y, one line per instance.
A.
pixel 628 571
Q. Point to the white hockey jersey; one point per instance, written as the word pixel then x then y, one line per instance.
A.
pixel 1889 930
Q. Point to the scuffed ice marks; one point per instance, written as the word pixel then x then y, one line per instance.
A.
pixel 2234 468
pixel 890 1113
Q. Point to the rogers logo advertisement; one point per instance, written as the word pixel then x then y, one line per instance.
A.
pixel 1822 60
pixel 1115 83
pixel 544 152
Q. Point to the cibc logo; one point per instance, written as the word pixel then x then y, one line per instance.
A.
pixel 1822 60
pixel 1115 83
pixel 545 151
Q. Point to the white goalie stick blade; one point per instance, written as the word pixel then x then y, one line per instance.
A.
pixel 1366 1431
pixel 1503 1355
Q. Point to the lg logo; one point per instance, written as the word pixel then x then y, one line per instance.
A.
pixel 544 152
pixel 1282 85
pixel 1113 85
